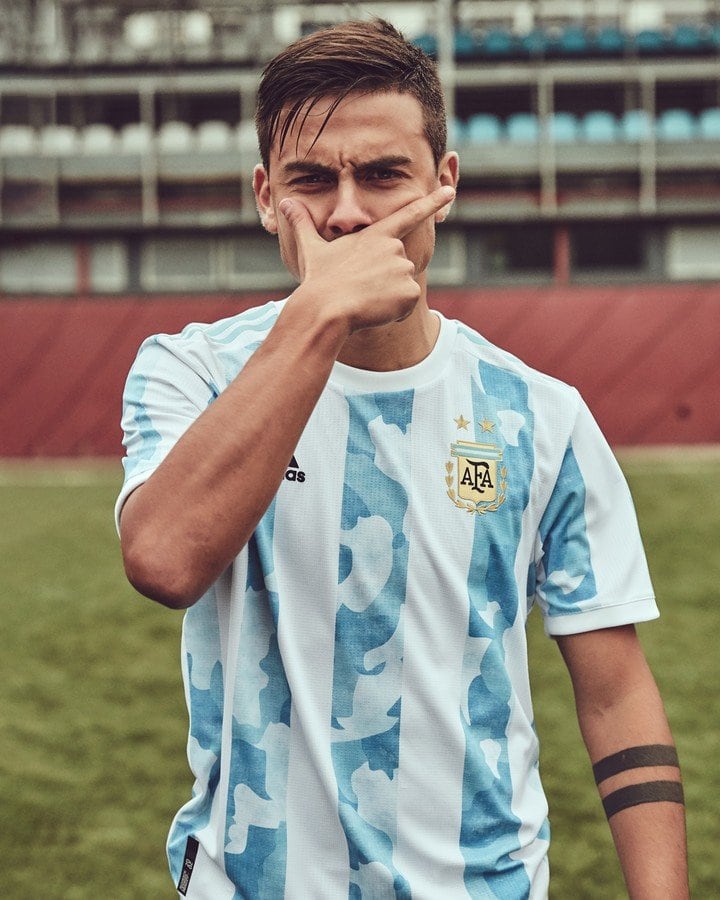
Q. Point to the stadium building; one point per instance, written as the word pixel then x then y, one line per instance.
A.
pixel 585 236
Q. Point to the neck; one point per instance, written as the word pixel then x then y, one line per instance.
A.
pixel 397 345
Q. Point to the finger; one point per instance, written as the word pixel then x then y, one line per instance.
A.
pixel 403 220
pixel 300 221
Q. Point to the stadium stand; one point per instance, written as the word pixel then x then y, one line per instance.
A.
pixel 590 153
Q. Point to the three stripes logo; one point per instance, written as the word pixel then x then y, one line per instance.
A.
pixel 294 472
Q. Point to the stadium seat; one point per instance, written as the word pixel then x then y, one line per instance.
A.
pixel 498 44
pixel 17 140
pixel 535 43
pixel 175 137
pixel 709 124
pixel 691 40
pixel 650 42
pixel 456 131
pixel 213 136
pixel 675 125
pixel 136 138
pixel 465 45
pixel 523 128
pixel 427 43
pixel 610 41
pixel 573 41
pixel 58 140
pixel 247 137
pixel 98 140
pixel 483 128
pixel 599 126
pixel 635 125
pixel 564 128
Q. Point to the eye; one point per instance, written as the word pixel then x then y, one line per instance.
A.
pixel 383 175
pixel 312 180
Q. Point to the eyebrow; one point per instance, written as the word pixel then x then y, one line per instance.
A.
pixel 302 167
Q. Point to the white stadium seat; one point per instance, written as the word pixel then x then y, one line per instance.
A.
pixel 213 136
pixel 136 138
pixel 175 137
pixel 17 140
pixel 58 140
pixel 98 140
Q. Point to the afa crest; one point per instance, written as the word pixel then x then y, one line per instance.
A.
pixel 477 480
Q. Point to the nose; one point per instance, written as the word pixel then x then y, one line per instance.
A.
pixel 348 213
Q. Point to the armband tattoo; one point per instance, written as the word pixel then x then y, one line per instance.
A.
pixel 648 792
pixel 635 758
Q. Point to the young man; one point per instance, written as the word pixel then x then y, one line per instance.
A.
pixel 358 501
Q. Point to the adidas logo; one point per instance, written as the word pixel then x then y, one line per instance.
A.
pixel 294 473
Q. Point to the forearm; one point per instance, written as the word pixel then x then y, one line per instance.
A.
pixel 649 835
pixel 185 525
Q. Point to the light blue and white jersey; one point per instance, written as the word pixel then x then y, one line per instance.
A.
pixel 357 681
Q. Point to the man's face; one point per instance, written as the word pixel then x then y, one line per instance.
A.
pixel 371 159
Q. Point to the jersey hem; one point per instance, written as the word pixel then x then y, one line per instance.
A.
pixel 627 613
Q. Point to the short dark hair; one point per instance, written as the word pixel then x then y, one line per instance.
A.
pixel 351 58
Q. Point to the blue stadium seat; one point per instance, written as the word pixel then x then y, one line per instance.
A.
pixel 635 125
pixel 691 40
pixel 610 41
pixel 650 42
pixel 427 43
pixel 457 131
pixel 523 128
pixel 709 124
pixel 599 126
pixel 466 47
pixel 483 128
pixel 498 43
pixel 535 43
pixel 564 128
pixel 573 41
pixel 675 125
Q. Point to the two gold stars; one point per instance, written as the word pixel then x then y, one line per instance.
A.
pixel 462 422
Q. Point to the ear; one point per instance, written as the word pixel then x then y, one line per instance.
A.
pixel 448 174
pixel 261 187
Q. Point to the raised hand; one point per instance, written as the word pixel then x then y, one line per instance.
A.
pixel 366 277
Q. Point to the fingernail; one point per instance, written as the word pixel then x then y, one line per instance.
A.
pixel 285 206
pixel 449 191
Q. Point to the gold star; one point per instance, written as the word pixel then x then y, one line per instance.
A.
pixel 462 422
pixel 487 426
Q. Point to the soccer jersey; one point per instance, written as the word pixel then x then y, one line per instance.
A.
pixel 357 681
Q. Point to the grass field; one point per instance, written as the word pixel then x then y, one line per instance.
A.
pixel 92 719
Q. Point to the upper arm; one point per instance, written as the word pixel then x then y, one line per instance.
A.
pixel 617 700
pixel 590 567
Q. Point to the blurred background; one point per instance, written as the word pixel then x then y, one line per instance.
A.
pixel 585 237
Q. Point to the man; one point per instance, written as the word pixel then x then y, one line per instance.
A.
pixel 357 502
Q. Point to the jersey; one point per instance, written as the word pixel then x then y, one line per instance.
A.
pixel 357 681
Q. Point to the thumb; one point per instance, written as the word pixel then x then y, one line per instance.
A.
pixel 300 220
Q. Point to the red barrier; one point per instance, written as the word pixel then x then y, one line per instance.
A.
pixel 646 358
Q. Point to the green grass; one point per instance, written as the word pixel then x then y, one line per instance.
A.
pixel 92 719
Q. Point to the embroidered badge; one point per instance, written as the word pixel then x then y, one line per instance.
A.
pixel 477 480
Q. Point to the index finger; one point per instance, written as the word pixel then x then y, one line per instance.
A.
pixel 403 220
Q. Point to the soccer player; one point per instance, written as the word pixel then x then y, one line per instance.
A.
pixel 358 501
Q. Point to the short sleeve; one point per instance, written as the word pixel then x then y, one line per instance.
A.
pixel 591 571
pixel 163 396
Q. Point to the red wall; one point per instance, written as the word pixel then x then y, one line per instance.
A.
pixel 646 358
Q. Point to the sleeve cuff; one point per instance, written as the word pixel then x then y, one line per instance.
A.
pixel 630 613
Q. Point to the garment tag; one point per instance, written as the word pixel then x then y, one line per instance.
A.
pixel 191 849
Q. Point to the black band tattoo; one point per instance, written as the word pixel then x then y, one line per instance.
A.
pixel 648 792
pixel 635 758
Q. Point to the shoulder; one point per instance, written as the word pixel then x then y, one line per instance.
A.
pixel 499 364
pixel 245 329
pixel 220 348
